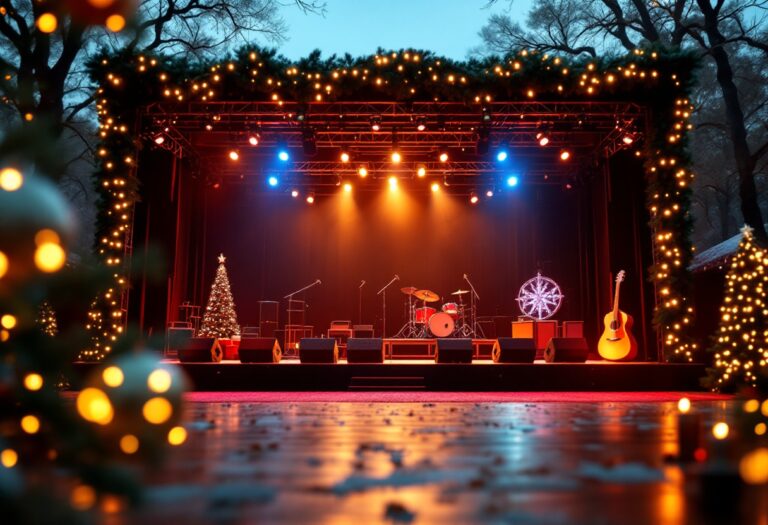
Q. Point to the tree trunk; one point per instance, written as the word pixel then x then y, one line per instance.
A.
pixel 745 164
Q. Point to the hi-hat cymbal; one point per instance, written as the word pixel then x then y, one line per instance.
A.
pixel 408 290
pixel 459 292
pixel 426 295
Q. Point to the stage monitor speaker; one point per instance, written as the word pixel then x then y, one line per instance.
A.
pixel 201 350
pixel 178 338
pixel 453 351
pixel 259 350
pixel 318 350
pixel 367 350
pixel 566 350
pixel 514 350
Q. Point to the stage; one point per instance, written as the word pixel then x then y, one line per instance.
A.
pixel 480 375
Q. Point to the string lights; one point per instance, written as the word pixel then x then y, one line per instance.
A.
pixel 741 351
pixel 658 80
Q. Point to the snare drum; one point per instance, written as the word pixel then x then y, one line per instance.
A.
pixel 423 314
pixel 451 309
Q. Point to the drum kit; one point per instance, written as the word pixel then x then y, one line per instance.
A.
pixel 424 321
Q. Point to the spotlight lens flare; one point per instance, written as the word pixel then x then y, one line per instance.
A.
pixel 421 172
pixel 473 198
pixel 310 199
pixel 443 157
pixel 435 187
pixel 344 156
pixel 283 155
pixel 347 187
pixel 392 183
pixel 234 155
pixel 295 193
pixel 396 158
pixel 489 193
pixel 272 181
pixel 362 171
pixel 512 181
pixel 501 156
pixel 565 155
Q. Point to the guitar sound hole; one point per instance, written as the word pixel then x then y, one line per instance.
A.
pixel 615 325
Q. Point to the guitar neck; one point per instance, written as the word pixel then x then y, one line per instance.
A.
pixel 616 301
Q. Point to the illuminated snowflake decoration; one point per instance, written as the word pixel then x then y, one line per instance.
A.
pixel 539 298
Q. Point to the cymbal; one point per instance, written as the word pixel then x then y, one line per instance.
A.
pixel 459 292
pixel 426 295
pixel 408 290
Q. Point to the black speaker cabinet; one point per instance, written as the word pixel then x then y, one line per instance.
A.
pixel 318 350
pixel 365 350
pixel 178 338
pixel 454 351
pixel 201 350
pixel 566 350
pixel 259 350
pixel 514 350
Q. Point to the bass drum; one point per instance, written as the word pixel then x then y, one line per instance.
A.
pixel 441 324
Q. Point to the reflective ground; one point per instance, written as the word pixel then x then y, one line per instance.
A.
pixel 446 462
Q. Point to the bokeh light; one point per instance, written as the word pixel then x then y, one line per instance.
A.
pixel 159 381
pixel 157 410
pixel 177 436
pixel 11 179
pixel 112 376
pixel 33 382
pixel 94 405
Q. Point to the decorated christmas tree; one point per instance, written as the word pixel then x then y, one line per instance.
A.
pixel 741 349
pixel 220 319
pixel 47 319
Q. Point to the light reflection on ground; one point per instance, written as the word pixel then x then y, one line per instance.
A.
pixel 551 463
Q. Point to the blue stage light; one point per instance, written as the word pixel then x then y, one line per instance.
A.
pixel 502 156
pixel 283 155
pixel 272 181
pixel 512 181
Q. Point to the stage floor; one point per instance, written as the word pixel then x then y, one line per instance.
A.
pixel 479 376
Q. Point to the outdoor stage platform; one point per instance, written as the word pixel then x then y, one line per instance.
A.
pixel 480 375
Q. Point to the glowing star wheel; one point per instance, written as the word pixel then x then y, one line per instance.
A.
pixel 539 298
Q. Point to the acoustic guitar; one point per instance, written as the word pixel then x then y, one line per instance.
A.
pixel 617 342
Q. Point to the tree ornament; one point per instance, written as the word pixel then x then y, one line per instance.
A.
pixel 133 395
pixel 36 225
pixel 220 319
pixel 741 350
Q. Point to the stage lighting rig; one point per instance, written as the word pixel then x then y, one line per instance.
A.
pixel 502 155
pixel 273 181
pixel 483 142
pixel 283 155
pixel 344 157
pixel 421 171
pixel 421 123
pixel 234 155
pixel 443 157
pixel 362 171
pixel 376 123
pixel 294 193
pixel 473 198
pixel 512 181
pixel 487 115
pixel 309 141
pixel 311 198
pixel 565 155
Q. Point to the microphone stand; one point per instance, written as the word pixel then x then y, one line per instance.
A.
pixel 383 293
pixel 474 298
pixel 288 339
pixel 360 302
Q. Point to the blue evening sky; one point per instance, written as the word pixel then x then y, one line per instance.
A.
pixel 447 27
